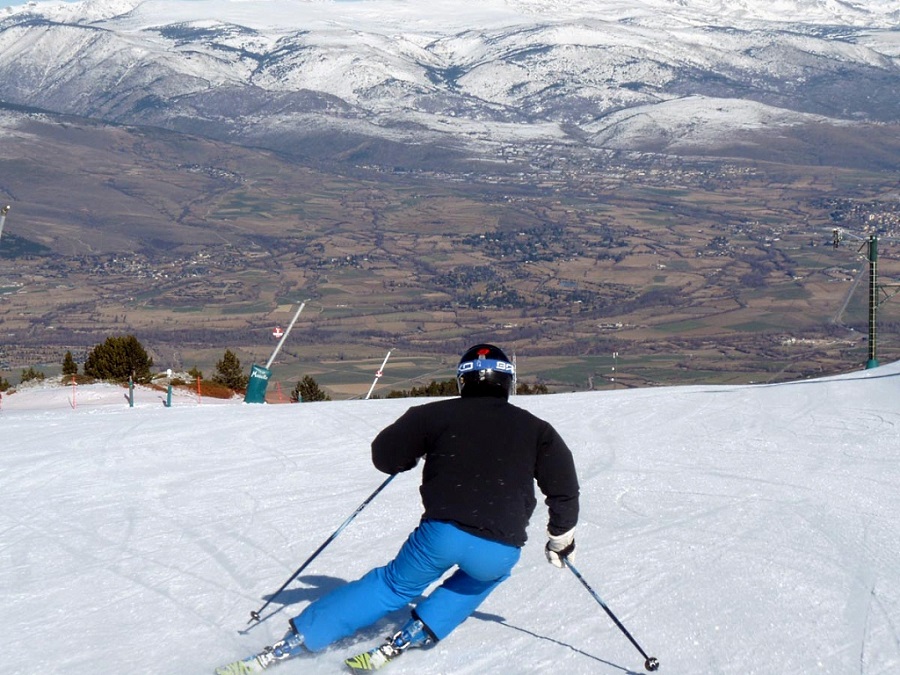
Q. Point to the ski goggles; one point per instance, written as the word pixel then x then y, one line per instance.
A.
pixel 485 364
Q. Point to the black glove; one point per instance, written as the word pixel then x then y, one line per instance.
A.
pixel 560 546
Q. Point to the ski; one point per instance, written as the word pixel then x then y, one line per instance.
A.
pixel 252 664
pixel 374 659
pixel 414 634
pixel 290 647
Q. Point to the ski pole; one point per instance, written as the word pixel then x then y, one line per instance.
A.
pixel 650 662
pixel 255 616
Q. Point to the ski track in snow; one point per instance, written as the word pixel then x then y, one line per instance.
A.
pixel 731 529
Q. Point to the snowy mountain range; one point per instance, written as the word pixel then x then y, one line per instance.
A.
pixel 320 76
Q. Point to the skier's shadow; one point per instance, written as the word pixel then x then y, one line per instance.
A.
pixel 314 587
pixel 482 616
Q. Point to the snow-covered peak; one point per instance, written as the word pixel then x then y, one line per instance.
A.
pixel 484 74
pixel 391 16
pixel 85 11
pixel 694 122
pixel 447 16
pixel 723 12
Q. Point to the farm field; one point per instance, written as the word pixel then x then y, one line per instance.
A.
pixel 702 270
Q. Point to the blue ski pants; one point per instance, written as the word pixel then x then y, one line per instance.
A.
pixel 432 549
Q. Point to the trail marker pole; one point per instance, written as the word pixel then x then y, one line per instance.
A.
pixel 168 401
pixel 259 375
pixel 378 374
pixel 286 333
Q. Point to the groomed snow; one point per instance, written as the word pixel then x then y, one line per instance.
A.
pixel 741 529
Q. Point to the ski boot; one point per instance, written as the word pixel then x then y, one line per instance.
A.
pixel 413 634
pixel 290 646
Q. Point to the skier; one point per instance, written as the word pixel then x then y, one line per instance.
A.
pixel 482 457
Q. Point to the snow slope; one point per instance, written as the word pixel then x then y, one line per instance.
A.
pixel 743 529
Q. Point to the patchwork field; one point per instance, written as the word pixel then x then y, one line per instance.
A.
pixel 688 271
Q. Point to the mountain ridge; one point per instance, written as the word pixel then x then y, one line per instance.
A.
pixel 531 73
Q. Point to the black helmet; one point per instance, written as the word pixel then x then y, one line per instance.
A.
pixel 484 370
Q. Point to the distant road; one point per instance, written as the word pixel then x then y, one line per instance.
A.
pixel 840 313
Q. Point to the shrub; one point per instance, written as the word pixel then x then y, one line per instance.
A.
pixel 208 388
pixel 523 388
pixel 450 388
pixel 31 374
pixel 433 388
pixel 213 390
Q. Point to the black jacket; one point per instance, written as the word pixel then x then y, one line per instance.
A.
pixel 482 458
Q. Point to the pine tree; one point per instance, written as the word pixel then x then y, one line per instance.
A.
pixel 307 390
pixel 69 367
pixel 229 373
pixel 118 359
